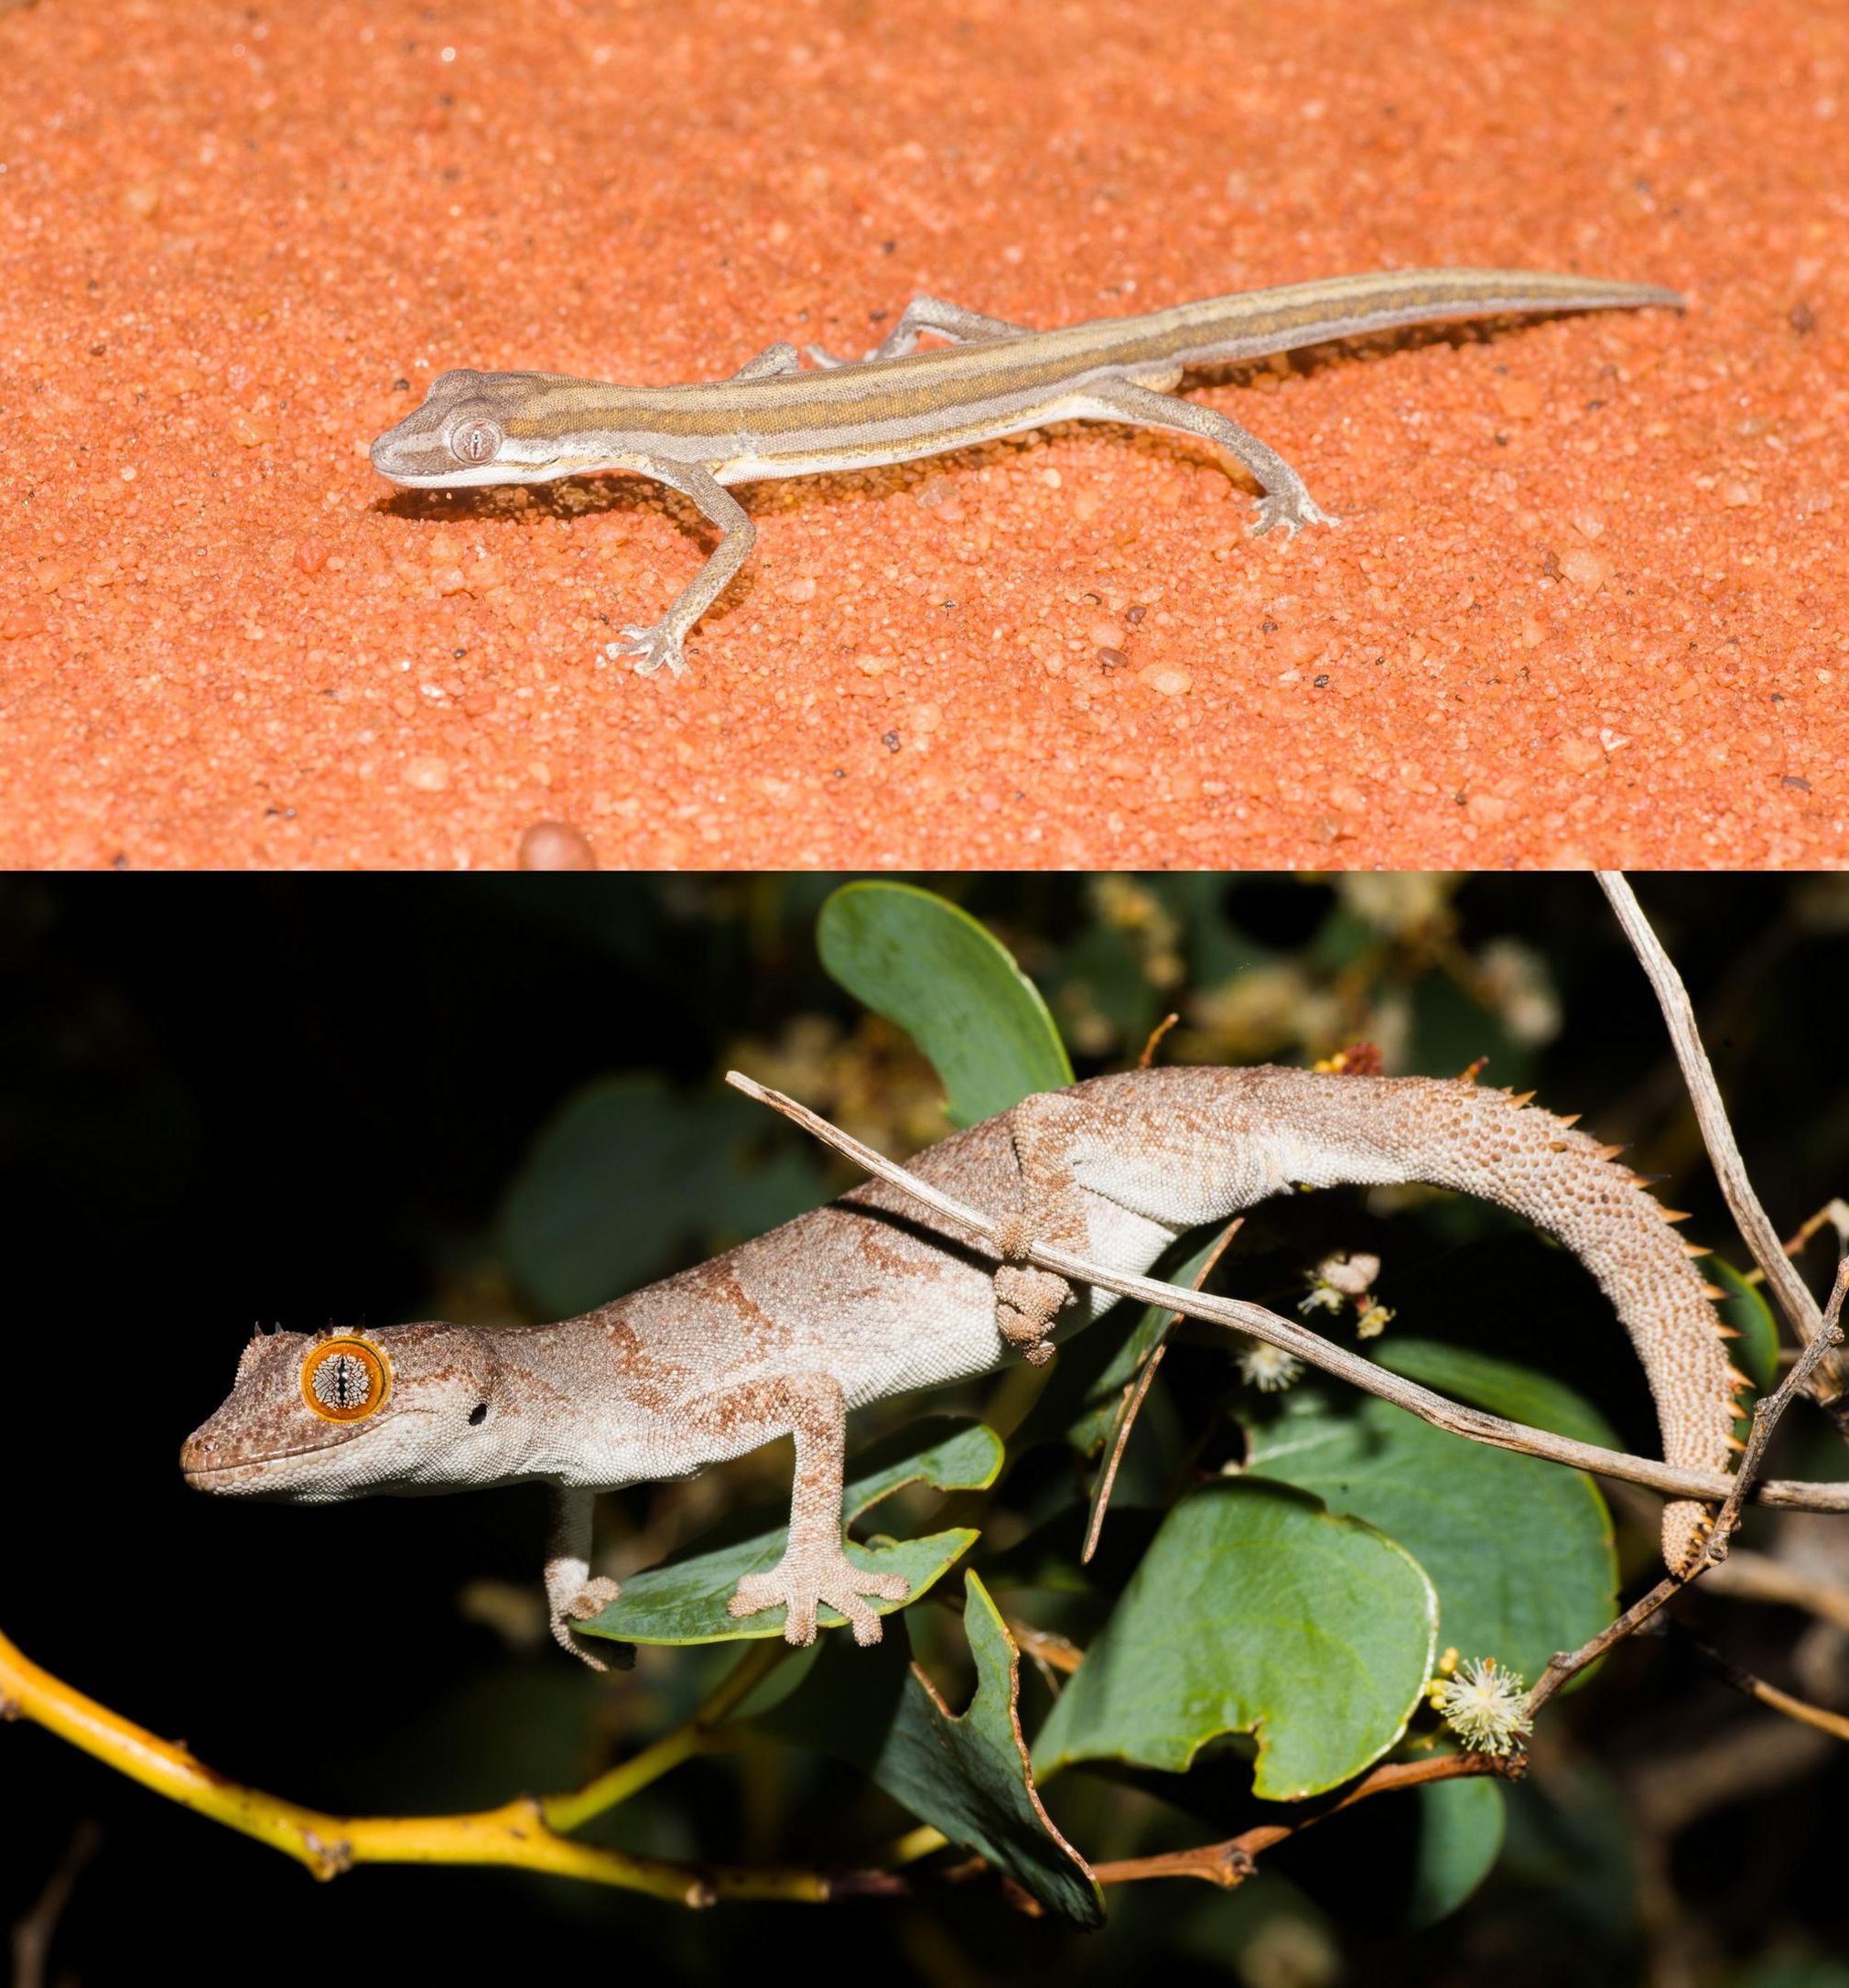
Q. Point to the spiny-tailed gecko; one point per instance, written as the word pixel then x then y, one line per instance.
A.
pixel 869 1296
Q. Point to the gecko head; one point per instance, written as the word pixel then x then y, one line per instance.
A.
pixel 313 1416
pixel 467 432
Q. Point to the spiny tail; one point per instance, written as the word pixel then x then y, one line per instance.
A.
pixel 1481 1141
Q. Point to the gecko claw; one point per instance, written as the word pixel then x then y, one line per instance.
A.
pixel 804 1582
pixel 591 1600
pixel 1293 508
pixel 652 648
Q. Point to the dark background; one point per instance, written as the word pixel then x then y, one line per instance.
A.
pixel 303 1101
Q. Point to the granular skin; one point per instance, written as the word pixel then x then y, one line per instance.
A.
pixel 1587 602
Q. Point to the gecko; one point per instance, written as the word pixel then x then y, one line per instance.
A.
pixel 774 417
pixel 869 1296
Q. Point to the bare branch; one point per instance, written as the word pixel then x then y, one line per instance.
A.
pixel 1745 1682
pixel 32 1934
pixel 1678 1015
pixel 1747 1576
pixel 1710 1487
pixel 1770 1407
pixel 1564 1665
pixel 1232 1861
pixel 1131 1400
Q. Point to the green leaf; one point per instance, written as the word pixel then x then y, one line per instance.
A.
pixel 964 1774
pixel 1503 1386
pixel 951 985
pixel 623 1181
pixel 1756 1352
pixel 1254 1611
pixel 1460 1838
pixel 684 1600
pixel 1520 1551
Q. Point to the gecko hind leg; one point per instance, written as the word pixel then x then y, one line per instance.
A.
pixel 1028 1300
pixel 781 357
pixel 932 314
pixel 1283 499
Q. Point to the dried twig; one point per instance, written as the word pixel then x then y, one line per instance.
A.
pixel 1768 1410
pixel 1565 1664
pixel 1746 1682
pixel 1232 1861
pixel 1131 1399
pixel 1679 1016
pixel 32 1934
pixel 1710 1487
pixel 1758 1577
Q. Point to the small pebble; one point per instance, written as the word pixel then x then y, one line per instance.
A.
pixel 1168 680
pixel 1586 569
pixel 554 845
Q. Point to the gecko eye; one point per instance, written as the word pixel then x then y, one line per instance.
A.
pixel 346 1381
pixel 475 441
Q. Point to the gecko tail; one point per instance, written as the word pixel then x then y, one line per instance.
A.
pixel 1497 1146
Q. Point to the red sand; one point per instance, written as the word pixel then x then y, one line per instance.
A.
pixel 1587 603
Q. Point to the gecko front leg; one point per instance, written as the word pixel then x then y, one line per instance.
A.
pixel 659 645
pixel 814 1569
pixel 571 1595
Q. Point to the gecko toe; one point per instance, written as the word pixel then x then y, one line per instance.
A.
pixel 652 648
pixel 813 1583
pixel 1291 509
pixel 592 1599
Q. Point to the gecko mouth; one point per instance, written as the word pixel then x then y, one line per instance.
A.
pixel 205 1476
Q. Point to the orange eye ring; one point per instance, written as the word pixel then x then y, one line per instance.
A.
pixel 346 1379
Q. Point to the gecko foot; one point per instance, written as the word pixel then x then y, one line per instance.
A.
pixel 591 1600
pixel 652 647
pixel 1026 1304
pixel 802 1581
pixel 1291 508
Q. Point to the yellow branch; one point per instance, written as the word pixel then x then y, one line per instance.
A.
pixel 516 1833
pixel 698 1735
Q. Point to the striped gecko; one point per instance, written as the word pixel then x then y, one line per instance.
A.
pixel 869 1298
pixel 775 418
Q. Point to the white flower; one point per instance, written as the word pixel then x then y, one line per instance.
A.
pixel 1269 1368
pixel 1484 1705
